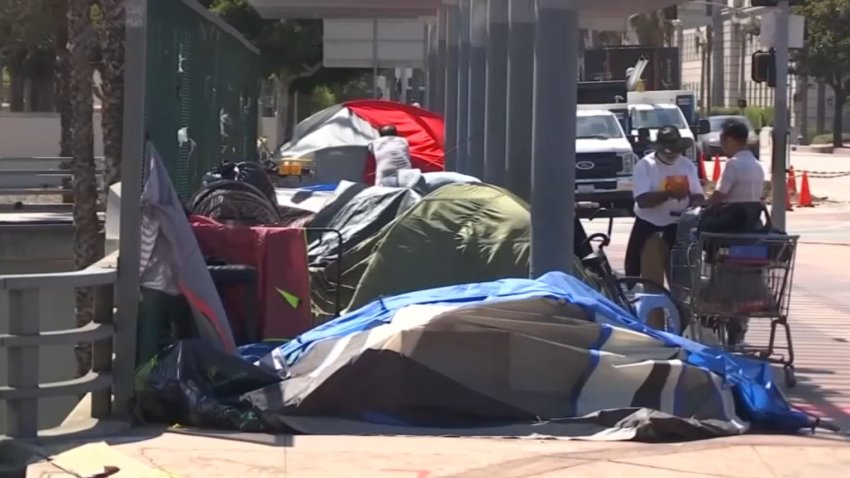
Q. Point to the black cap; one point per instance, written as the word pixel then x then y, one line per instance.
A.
pixel 670 141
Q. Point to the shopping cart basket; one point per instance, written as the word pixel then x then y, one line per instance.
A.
pixel 735 278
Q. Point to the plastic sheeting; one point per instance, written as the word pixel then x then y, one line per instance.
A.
pixel 193 384
pixel 758 398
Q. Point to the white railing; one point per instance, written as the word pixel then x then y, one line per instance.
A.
pixel 25 337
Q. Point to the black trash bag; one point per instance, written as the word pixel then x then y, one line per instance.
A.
pixel 194 384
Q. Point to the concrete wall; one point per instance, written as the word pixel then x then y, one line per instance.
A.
pixel 37 134
pixel 40 249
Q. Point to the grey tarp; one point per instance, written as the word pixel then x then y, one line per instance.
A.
pixel 171 260
pixel 360 214
pixel 514 366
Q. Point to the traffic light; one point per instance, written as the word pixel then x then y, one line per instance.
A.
pixel 671 13
pixel 764 68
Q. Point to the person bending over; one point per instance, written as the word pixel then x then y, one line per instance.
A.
pixel 665 183
pixel 392 154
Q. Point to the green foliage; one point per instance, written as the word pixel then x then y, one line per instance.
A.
pixel 322 97
pixel 827 138
pixel 827 52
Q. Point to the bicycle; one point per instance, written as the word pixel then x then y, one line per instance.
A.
pixel 625 291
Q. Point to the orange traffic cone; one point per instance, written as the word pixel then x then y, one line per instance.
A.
pixel 715 176
pixel 805 199
pixel 701 163
pixel 792 181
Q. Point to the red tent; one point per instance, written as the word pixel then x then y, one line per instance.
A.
pixel 339 136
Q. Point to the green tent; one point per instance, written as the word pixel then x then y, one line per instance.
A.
pixel 460 233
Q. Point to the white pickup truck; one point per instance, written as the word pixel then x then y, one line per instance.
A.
pixel 604 159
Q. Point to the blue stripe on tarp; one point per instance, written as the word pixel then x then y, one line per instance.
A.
pixel 316 188
pixel 604 334
pixel 760 400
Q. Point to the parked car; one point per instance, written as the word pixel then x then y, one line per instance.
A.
pixel 709 143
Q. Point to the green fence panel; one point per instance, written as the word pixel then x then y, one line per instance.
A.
pixel 203 78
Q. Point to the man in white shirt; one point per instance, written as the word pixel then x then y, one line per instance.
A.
pixel 665 184
pixel 392 154
pixel 743 177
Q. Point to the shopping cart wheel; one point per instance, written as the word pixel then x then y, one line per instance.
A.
pixel 790 376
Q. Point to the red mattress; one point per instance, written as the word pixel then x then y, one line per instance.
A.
pixel 280 256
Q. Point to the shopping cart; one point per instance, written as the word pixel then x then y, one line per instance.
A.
pixel 726 281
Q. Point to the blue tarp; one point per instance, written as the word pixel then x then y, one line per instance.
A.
pixel 759 399
pixel 327 187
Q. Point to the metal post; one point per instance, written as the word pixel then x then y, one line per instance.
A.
pixel 439 102
pixel 463 88
pixel 427 65
pixel 780 119
pixel 133 152
pixel 375 58
pixel 718 52
pixel 519 98
pixel 451 87
pixel 497 89
pixel 477 80
pixel 554 136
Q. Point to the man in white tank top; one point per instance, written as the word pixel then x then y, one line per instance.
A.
pixel 392 154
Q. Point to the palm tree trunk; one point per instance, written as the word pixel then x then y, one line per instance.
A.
pixel 61 86
pixel 87 241
pixel 112 109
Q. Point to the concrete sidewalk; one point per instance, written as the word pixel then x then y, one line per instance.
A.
pixel 182 455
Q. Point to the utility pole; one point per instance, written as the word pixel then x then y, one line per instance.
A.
pixel 780 119
pixel 718 93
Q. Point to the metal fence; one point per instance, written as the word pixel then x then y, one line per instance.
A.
pixel 203 87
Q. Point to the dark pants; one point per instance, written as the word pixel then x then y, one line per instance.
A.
pixel 641 231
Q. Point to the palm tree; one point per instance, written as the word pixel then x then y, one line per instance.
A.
pixel 111 35
pixel 652 29
pixel 88 247
pixel 61 93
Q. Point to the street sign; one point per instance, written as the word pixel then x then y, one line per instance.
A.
pixel 348 43
pixel 769 34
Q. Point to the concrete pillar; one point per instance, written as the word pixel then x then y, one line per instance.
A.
pixel 496 92
pixel 462 139
pixel 450 46
pixel 554 136
pixel 477 80
pixel 519 97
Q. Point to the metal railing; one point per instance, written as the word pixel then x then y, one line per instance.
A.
pixel 25 337
pixel 24 177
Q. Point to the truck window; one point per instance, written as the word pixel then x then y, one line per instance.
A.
pixel 657 118
pixel 598 127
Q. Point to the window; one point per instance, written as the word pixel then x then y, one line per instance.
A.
pixel 598 127
pixel 657 118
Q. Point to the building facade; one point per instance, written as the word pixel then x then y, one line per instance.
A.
pixel 722 76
